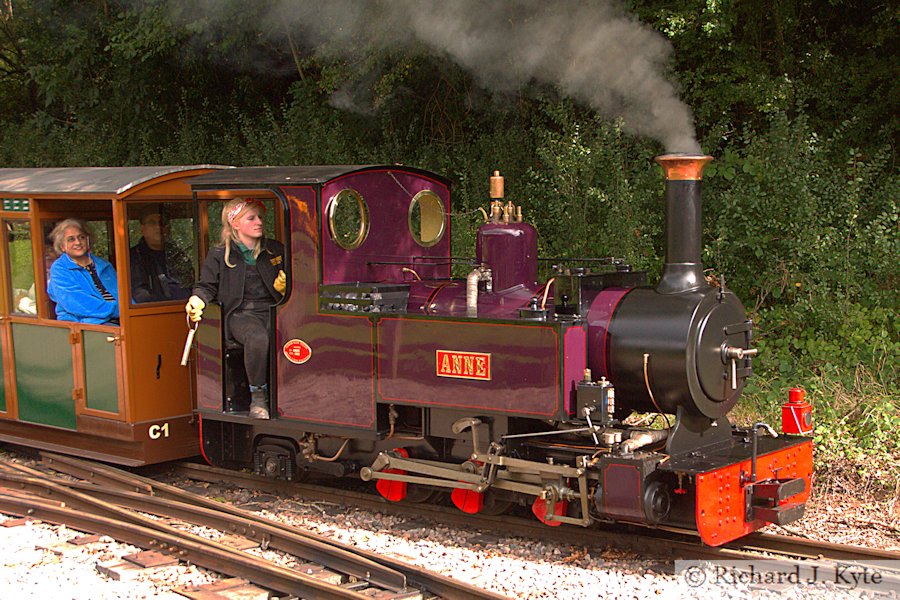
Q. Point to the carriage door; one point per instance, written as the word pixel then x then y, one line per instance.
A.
pixel 100 348
pixel 63 370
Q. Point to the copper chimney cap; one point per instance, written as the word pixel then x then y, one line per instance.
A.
pixel 683 167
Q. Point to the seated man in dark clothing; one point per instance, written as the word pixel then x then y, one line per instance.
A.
pixel 152 279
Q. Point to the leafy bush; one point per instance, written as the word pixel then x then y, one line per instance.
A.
pixel 808 240
pixel 857 449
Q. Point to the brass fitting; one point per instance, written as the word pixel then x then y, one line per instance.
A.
pixel 509 212
pixel 500 212
pixel 683 167
pixel 496 211
pixel 496 186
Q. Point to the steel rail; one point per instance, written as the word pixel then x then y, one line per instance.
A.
pixel 795 546
pixel 95 472
pixel 669 544
pixel 436 583
pixel 307 548
pixel 663 543
pixel 207 555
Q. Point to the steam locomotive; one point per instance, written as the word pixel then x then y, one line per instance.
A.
pixel 497 388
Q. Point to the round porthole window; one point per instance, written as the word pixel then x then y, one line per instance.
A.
pixel 348 219
pixel 427 220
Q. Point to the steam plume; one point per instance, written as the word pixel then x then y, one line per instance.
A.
pixel 592 51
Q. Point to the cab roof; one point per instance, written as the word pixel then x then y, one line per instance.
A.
pixel 281 176
pixel 85 180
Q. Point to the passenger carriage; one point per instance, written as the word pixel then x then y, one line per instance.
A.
pixel 113 392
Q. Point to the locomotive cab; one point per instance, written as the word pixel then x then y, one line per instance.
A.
pixel 232 389
pixel 346 259
pixel 111 391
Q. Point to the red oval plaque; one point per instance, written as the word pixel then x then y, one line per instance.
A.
pixel 297 351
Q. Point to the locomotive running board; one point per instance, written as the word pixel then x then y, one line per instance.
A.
pixel 521 476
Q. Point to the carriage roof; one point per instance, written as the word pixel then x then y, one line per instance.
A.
pixel 306 175
pixel 86 180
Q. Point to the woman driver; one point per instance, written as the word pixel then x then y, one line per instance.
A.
pixel 244 274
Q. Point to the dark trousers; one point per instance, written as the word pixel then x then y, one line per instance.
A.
pixel 250 330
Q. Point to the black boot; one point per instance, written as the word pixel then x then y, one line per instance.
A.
pixel 259 401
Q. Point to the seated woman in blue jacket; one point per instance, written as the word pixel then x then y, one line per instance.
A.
pixel 83 285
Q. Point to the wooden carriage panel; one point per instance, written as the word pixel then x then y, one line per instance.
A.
pixel 101 382
pixel 44 374
pixel 157 385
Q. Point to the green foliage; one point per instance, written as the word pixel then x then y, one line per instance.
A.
pixel 808 231
pixel 741 61
pixel 588 191
pixel 21 264
pixel 806 237
pixel 854 429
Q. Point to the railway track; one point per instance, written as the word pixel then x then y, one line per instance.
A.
pixel 104 500
pixel 118 502
pixel 667 544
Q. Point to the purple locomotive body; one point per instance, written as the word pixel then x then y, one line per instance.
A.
pixel 498 387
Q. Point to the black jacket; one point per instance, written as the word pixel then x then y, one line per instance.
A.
pixel 219 282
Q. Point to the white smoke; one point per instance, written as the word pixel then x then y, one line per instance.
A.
pixel 591 50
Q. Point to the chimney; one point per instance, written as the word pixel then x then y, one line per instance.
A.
pixel 683 271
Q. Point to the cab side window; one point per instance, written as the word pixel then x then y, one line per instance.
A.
pixel 161 256
pixel 21 267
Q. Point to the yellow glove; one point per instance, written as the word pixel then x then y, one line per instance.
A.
pixel 280 283
pixel 194 308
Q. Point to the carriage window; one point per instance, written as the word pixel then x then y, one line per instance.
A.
pixel 161 258
pixel 102 239
pixel 426 218
pixel 348 219
pixel 21 267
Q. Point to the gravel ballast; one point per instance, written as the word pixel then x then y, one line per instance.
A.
pixel 37 559
pixel 35 567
